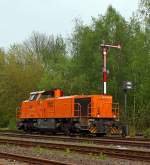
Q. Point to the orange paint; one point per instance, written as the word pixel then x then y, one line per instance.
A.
pixel 58 106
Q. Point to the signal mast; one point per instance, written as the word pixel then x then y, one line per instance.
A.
pixel 105 48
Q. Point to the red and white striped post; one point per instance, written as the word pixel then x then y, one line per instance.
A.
pixel 104 52
pixel 105 69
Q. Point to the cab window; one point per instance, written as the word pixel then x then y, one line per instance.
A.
pixel 45 95
pixel 33 97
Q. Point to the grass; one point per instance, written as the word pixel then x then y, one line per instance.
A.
pixel 111 145
pixel 87 143
pixel 4 129
pixel 101 156
pixel 40 150
pixel 67 151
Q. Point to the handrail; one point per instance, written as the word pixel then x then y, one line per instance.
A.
pixel 78 110
pixel 89 109
pixel 115 109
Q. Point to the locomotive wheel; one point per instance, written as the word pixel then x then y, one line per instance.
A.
pixel 66 131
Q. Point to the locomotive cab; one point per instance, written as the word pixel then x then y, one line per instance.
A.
pixel 45 94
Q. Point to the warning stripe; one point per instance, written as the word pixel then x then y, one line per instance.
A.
pixel 115 130
pixel 92 129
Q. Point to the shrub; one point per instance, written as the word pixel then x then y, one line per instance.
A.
pixel 132 131
pixel 12 124
pixel 146 133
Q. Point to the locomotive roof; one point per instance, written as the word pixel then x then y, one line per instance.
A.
pixel 36 92
pixel 39 92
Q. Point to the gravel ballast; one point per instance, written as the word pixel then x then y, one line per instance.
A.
pixel 66 156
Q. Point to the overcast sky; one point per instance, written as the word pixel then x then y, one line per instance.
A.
pixel 19 18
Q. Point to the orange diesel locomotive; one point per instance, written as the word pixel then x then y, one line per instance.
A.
pixel 52 111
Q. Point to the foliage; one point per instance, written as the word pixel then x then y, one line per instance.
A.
pixel 131 63
pixel 12 124
pixel 132 131
pixel 144 11
pixel 147 133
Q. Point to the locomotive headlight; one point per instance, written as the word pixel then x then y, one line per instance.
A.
pixel 98 115
pixel 114 116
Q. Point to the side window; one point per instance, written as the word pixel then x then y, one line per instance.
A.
pixel 44 96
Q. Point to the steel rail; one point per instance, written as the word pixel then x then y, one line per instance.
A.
pixel 99 141
pixel 112 152
pixel 117 137
pixel 6 132
pixel 31 160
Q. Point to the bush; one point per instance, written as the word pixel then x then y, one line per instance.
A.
pixel 12 124
pixel 4 121
pixel 132 131
pixel 146 133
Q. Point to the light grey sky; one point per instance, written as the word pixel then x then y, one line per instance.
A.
pixel 19 18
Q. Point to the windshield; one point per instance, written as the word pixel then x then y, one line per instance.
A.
pixel 33 97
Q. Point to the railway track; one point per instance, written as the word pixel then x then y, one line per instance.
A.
pixel 84 149
pixel 30 160
pixel 100 141
pixel 139 138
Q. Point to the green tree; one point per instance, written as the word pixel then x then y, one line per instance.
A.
pixel 131 63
